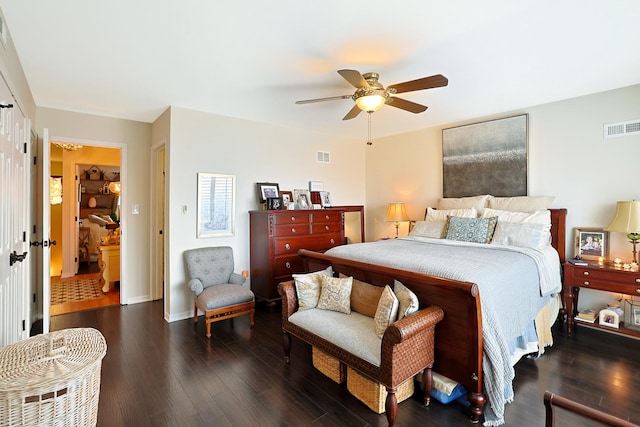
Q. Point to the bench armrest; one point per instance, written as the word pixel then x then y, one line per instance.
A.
pixel 408 345
pixel 287 291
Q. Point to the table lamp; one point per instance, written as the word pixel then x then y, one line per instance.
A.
pixel 397 214
pixel 627 220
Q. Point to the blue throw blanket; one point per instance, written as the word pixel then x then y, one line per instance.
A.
pixel 515 283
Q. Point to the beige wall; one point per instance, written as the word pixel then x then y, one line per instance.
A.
pixel 254 152
pixel 568 158
pixel 134 139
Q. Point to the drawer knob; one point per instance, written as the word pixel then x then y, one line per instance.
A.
pixel 293 219
pixel 326 227
pixel 637 291
pixel 287 264
pixel 586 283
pixel 287 246
pixel 586 273
pixel 326 217
pixel 637 280
pixel 333 241
pixel 293 230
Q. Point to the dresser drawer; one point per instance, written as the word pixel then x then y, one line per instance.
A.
pixel 293 230
pixel 326 227
pixel 290 245
pixel 287 265
pixel 326 216
pixel 291 218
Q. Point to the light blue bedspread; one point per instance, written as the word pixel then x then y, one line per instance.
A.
pixel 514 283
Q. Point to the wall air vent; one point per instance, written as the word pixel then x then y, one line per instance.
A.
pixel 323 157
pixel 613 130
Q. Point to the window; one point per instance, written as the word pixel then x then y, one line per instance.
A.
pixel 216 209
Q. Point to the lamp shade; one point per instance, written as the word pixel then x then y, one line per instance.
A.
pixel 114 187
pixel 627 218
pixel 370 103
pixel 396 212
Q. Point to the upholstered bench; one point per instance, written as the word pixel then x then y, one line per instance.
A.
pixel 365 336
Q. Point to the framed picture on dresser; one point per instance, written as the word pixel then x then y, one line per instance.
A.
pixel 267 189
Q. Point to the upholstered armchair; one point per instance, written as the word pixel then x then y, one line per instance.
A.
pixel 218 291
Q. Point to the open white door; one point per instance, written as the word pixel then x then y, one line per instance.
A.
pixel 14 210
pixel 45 230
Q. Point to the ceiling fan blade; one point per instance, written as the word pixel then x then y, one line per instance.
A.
pixel 352 113
pixel 419 84
pixel 354 77
pixel 330 98
pixel 403 104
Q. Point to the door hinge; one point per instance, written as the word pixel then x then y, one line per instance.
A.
pixel 34 298
pixel 35 160
pixel 25 148
pixel 24 236
pixel 23 325
pixel 34 229
pixel 75 259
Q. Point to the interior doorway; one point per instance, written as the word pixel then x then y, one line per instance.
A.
pixel 86 224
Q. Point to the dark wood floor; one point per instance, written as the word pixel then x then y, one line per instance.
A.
pixel 161 374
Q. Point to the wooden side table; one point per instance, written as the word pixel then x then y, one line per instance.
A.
pixel 600 277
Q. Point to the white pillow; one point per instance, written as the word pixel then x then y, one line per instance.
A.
pixel 527 235
pixel 441 215
pixel 308 287
pixel 537 217
pixel 407 301
pixel 387 310
pixel 521 203
pixel 432 229
pixel 476 202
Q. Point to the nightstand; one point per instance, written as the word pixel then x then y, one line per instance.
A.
pixel 600 277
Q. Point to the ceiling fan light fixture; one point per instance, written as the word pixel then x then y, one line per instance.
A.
pixel 370 100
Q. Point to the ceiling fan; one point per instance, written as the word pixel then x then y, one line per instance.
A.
pixel 370 95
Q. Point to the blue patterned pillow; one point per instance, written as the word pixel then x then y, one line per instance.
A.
pixel 477 230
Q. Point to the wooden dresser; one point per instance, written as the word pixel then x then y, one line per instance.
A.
pixel 276 237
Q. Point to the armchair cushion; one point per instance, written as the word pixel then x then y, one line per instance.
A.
pixel 220 296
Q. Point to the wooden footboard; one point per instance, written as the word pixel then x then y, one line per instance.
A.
pixel 458 343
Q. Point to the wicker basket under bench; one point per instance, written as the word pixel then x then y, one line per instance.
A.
pixel 407 348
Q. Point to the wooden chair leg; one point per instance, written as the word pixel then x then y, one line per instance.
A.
pixel 195 313
pixel 251 317
pixel 427 384
pixel 209 321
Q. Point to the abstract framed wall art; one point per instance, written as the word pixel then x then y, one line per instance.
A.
pixel 486 158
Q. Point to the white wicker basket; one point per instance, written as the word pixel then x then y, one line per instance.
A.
pixel 52 379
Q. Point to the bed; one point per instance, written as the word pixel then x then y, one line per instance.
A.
pixel 484 331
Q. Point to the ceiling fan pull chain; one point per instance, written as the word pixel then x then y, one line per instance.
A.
pixel 369 140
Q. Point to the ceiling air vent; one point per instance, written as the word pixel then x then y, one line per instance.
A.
pixel 323 157
pixel 613 130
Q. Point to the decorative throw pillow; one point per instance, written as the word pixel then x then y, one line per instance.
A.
pixel 441 215
pixel 335 294
pixel 364 297
pixel 387 311
pixel 432 229
pixel 308 287
pixel 477 230
pixel 407 300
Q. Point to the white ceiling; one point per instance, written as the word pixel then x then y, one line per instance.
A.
pixel 253 59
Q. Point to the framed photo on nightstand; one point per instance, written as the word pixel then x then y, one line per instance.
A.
pixel 591 243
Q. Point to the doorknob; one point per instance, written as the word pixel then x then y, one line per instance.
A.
pixel 14 257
